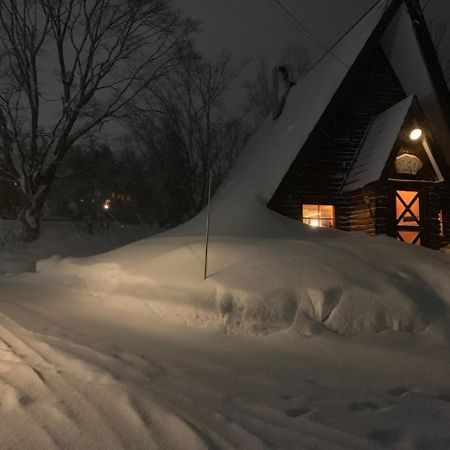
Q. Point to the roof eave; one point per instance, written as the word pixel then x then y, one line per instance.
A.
pixel 430 56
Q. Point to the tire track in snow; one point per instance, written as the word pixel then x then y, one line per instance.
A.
pixel 79 379
pixel 125 401
pixel 108 395
pixel 57 405
pixel 64 400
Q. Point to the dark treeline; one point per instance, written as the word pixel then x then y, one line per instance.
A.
pixel 132 63
pixel 179 132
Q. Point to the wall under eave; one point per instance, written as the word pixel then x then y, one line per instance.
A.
pixel 400 44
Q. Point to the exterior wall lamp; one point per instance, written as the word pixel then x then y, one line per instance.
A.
pixel 416 134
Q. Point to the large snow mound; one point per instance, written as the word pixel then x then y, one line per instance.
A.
pixel 346 283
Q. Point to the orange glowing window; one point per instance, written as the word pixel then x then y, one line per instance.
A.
pixel 318 215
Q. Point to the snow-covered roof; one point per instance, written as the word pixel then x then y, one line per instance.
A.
pixel 377 146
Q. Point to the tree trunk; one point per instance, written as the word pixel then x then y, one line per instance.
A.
pixel 31 216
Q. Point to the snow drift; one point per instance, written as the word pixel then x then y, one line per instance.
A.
pixel 348 284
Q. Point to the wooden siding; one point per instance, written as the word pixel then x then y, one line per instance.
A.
pixel 367 210
pixel 360 210
pixel 445 203
pixel 432 206
pixel 319 171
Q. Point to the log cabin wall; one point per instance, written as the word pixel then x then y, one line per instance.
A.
pixel 318 173
pixel 359 212
pixel 382 213
pixel 367 209
pixel 445 202
pixel 432 223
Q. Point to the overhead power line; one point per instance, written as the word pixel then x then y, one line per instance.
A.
pixel 426 5
pixel 328 50
pixel 346 33
pixel 297 22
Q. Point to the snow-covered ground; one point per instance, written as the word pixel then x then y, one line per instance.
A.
pixel 275 350
pixel 79 369
pixel 64 238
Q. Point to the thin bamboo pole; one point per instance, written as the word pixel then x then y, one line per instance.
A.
pixel 205 274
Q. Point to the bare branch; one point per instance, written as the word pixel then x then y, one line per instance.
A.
pixel 104 52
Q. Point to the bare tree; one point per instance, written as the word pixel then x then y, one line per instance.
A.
pixel 194 131
pixel 66 68
pixel 259 92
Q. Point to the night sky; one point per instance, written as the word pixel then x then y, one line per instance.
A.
pixel 260 28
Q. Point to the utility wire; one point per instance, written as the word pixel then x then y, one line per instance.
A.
pixel 297 21
pixel 328 50
pixel 344 35
pixel 426 5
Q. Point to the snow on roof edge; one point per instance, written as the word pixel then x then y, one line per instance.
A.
pixel 376 148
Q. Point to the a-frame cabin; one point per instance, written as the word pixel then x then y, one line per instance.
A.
pixel 378 158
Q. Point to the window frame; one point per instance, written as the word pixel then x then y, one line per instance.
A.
pixel 320 217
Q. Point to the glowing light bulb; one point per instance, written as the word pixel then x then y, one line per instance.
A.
pixel 416 134
pixel 314 222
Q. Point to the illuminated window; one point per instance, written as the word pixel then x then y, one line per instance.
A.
pixel 318 215
pixel 441 223
pixel 408 216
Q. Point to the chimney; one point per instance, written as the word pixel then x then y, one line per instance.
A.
pixel 281 87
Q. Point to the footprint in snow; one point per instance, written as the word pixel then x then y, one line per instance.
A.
pixel 39 374
pixel 363 406
pixel 445 397
pixel 297 412
pixel 398 391
pixel 386 437
pixel 25 400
